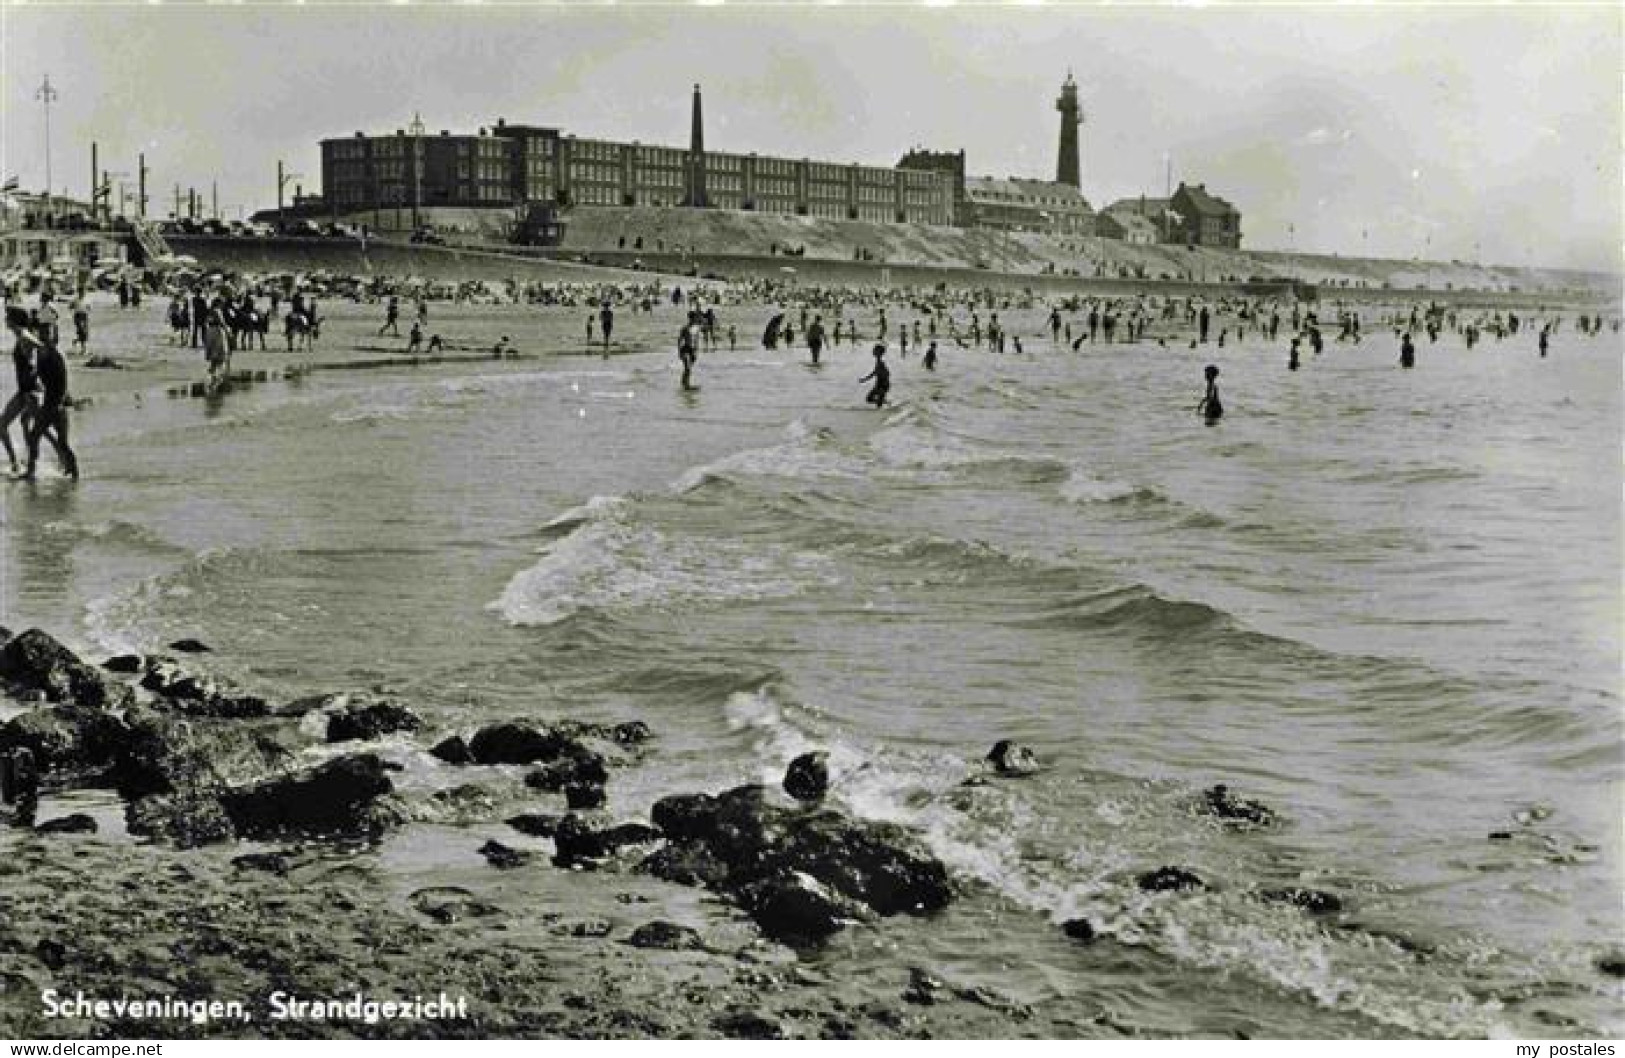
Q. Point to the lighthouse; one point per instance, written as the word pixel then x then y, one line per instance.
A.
pixel 1066 162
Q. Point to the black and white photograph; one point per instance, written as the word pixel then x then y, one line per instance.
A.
pixel 811 521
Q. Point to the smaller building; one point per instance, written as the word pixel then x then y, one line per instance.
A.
pixel 1127 227
pixel 1201 219
pixel 74 250
pixel 1042 206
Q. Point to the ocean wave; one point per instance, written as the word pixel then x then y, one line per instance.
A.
pixel 805 453
pixel 609 559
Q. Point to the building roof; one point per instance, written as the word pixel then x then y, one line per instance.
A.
pixel 1131 222
pixel 1139 206
pixel 1027 192
pixel 1202 202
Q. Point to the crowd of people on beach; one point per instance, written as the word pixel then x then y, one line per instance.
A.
pixel 222 315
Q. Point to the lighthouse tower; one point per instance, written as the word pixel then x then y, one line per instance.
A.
pixel 1066 163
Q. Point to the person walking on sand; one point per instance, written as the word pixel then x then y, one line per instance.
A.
pixel 815 337
pixel 81 325
pixel 415 342
pixel 1407 351
pixel 392 318
pixel 53 411
pixel 1210 407
pixel 881 376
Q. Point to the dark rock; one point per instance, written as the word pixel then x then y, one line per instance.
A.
pixel 270 862
pixel 686 817
pixel 866 862
pixel 196 694
pixel 19 780
pixel 1012 759
pixel 535 824
pixel 125 663
pixel 1314 901
pixel 685 864
pixel 794 909
pixel 587 768
pixel 503 857
pixel 52 952
pixel 799 874
pixel 667 936
pixel 521 744
pixel 577 842
pixel 807 777
pixel 1612 963
pixel 449 904
pixel 452 750
pixel 335 797
pixel 34 661
pixel 631 733
pixel 191 646
pixel 162 753
pixel 78 823
pixel 1169 880
pixel 370 720
pixel 747 1025
pixel 580 796
pixel 1079 929
pixel 1220 803
pixel 66 737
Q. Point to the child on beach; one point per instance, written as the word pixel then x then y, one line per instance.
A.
pixel 881 376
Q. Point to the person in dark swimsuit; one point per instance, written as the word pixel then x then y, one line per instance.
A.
pixel 1211 408
pixel 53 411
pixel 881 376
pixel 22 403
pixel 931 357
pixel 1407 351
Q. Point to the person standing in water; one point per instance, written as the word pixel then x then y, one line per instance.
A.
pixel 881 377
pixel 52 414
pixel 1545 339
pixel 1292 356
pixel 606 323
pixel 687 350
pixel 931 357
pixel 1407 351
pixel 1210 407
pixel 22 403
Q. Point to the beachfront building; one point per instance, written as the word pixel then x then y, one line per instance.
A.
pixel 1126 226
pixel 516 165
pixel 1014 204
pixel 1201 219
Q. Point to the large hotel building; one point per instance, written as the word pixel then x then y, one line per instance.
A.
pixel 510 165
pixel 518 165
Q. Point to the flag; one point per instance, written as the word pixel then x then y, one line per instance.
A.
pixel 104 191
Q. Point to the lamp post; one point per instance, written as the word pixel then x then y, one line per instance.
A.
pixel 47 95
pixel 416 128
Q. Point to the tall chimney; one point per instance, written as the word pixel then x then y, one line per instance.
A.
pixel 696 157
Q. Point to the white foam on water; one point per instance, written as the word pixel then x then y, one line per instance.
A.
pixel 611 560
pixel 1081 486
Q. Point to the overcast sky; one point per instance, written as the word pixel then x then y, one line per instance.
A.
pixel 1387 130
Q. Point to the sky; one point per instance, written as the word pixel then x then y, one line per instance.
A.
pixel 1449 132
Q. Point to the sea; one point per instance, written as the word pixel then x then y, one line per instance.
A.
pixel 1385 603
